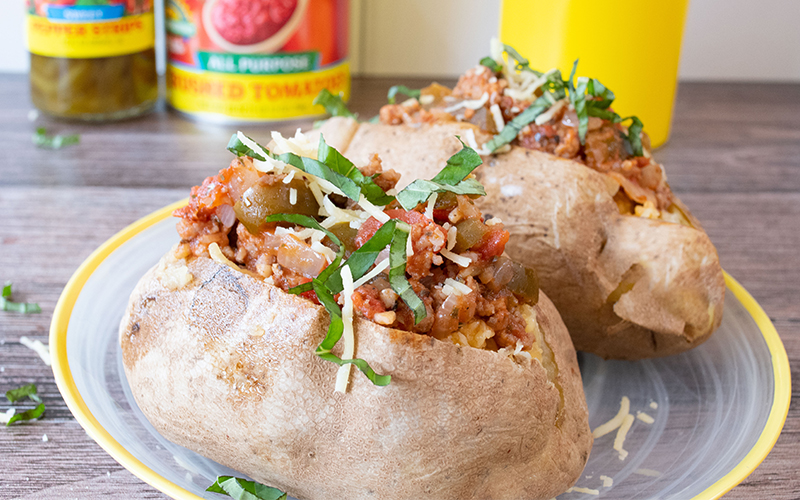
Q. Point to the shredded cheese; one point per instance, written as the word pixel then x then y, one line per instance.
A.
pixel 292 196
pixel 497 116
pixel 217 256
pixel 299 145
pixel 409 246
pixel 653 405
pixel 373 210
pixel 452 232
pixel 458 259
pixel 607 481
pixel 452 286
pixel 431 205
pixel 622 433
pixel 644 417
pixel 35 345
pixel 578 489
pixel 374 272
pixel 290 176
pixel 647 472
pixel 471 104
pixel 614 423
pixel 548 115
pixel 493 221
pixel 5 417
pixel 343 375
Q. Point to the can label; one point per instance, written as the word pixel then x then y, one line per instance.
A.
pixel 255 60
pixel 86 30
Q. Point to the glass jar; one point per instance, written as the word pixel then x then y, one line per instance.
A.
pixel 92 62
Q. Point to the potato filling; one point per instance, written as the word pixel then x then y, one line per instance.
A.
pixel 485 98
pixel 472 294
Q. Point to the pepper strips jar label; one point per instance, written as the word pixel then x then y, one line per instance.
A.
pixel 79 29
pixel 255 60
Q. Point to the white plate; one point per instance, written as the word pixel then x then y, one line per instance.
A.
pixel 718 409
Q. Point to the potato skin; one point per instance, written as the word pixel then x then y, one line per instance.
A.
pixel 564 223
pixel 225 366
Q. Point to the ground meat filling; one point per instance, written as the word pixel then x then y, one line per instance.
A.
pixel 276 251
pixel 641 179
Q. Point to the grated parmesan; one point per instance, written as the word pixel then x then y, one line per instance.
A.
pixel 653 405
pixel 497 116
pixel 431 205
pixel 578 489
pixel 374 272
pixel 343 375
pixel 471 104
pixel 493 221
pixel 452 232
pixel 290 176
pixel 647 472
pixel 644 417
pixel 292 196
pixel 458 259
pixel 548 115
pixel 622 433
pixel 452 286
pixel 35 345
pixel 614 423
pixel 373 210
pixel 607 481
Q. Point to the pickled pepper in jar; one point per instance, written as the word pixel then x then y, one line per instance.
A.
pixel 92 59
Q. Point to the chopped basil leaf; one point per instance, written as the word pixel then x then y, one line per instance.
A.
pixel 239 148
pixel 450 178
pixel 397 272
pixel 459 165
pixel 362 259
pixel 333 104
pixel 29 390
pixel 493 65
pixel 512 128
pixel 634 135
pixel 325 296
pixel 323 171
pixel 379 380
pixel 27 414
pixel 597 89
pixel 334 159
pixel 42 140
pixel 6 304
pixel 577 96
pixel 401 89
pixel 241 489
pixel 420 190
pixel 522 64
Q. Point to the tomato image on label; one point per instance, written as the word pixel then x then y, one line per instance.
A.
pixel 245 22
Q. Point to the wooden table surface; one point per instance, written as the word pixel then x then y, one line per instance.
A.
pixel 734 158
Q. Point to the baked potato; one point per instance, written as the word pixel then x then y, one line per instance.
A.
pixel 627 265
pixel 477 397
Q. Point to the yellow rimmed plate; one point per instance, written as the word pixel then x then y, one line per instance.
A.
pixel 717 410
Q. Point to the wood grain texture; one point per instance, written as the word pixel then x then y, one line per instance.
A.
pixel 734 158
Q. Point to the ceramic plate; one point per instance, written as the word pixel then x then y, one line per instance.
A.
pixel 716 410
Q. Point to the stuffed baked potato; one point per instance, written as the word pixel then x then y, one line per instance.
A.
pixel 470 385
pixel 629 268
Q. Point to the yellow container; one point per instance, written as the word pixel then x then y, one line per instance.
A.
pixel 632 46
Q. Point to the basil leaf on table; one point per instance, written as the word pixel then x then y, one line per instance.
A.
pixel 29 390
pixel 41 139
pixel 242 489
pixel 6 304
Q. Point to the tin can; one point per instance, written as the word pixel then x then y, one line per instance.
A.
pixel 92 60
pixel 255 60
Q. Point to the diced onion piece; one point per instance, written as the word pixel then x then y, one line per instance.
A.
pixel 343 375
pixel 374 272
pixel 458 259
